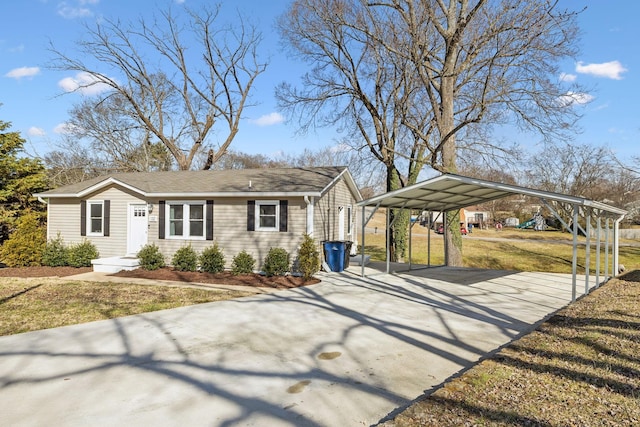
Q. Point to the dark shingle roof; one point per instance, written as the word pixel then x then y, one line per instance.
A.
pixel 312 180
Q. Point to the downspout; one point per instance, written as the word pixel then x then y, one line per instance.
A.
pixel 309 201
pixel 41 200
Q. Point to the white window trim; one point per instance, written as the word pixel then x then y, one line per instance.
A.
pixel 185 219
pixel 95 202
pixel 349 220
pixel 275 203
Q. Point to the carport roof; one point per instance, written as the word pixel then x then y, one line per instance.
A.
pixel 451 192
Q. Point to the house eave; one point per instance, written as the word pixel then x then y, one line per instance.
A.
pixel 236 194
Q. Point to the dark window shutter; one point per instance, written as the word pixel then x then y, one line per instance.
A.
pixel 251 215
pixel 161 210
pixel 209 216
pixel 83 218
pixel 284 214
pixel 106 219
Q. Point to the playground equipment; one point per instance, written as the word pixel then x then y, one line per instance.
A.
pixel 537 222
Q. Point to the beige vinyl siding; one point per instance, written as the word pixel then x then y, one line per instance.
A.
pixel 326 225
pixel 230 231
pixel 64 217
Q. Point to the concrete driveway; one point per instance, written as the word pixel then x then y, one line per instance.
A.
pixel 345 352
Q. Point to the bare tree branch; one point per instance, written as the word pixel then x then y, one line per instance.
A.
pixel 178 90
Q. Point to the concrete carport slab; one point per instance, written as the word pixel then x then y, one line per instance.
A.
pixel 345 352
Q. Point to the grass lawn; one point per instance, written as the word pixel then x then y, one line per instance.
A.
pixel 41 303
pixel 580 368
pixel 523 250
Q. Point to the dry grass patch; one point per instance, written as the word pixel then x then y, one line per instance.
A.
pixel 580 368
pixel 530 254
pixel 33 304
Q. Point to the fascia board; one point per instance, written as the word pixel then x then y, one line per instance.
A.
pixel 236 194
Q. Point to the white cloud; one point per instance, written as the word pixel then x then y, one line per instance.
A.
pixel 566 77
pixel 610 70
pixel 77 10
pixel 85 83
pixel 17 49
pixel 18 73
pixel 269 119
pixel 63 128
pixel 340 148
pixel 35 131
pixel 575 98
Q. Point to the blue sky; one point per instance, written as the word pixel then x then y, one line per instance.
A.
pixel 32 95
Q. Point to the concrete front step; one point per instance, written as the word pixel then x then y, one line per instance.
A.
pixel 115 264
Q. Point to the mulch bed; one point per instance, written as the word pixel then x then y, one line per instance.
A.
pixel 225 278
pixel 42 271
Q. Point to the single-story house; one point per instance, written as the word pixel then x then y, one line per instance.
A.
pixel 249 209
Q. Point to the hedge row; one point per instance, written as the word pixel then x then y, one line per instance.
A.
pixel 211 260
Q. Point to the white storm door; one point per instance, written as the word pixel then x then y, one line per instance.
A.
pixel 137 228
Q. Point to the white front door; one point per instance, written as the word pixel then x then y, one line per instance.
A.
pixel 137 228
pixel 341 223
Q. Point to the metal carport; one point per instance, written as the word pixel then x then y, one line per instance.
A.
pixel 449 192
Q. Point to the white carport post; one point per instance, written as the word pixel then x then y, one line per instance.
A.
pixel 616 245
pixel 606 250
pixel 362 247
pixel 365 221
pixel 386 238
pixel 587 248
pixel 410 234
pixel 574 263
pixel 598 238
pixel 429 226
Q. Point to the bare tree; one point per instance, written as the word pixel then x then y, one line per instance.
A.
pixel 180 77
pixel 115 139
pixel 359 87
pixel 420 75
pixel 72 164
pixel 580 170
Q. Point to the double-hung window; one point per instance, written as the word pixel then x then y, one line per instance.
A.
pixel 95 219
pixel 267 213
pixel 186 220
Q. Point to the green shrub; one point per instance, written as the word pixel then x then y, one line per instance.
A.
pixel 81 254
pixel 308 258
pixel 243 263
pixel 212 259
pixel 150 257
pixel 185 259
pixel 55 254
pixel 25 245
pixel 276 263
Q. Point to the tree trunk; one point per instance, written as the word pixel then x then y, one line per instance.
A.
pixel 399 218
pixel 452 236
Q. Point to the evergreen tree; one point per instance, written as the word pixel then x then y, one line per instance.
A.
pixel 20 177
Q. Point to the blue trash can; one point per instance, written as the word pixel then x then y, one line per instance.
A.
pixel 334 254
